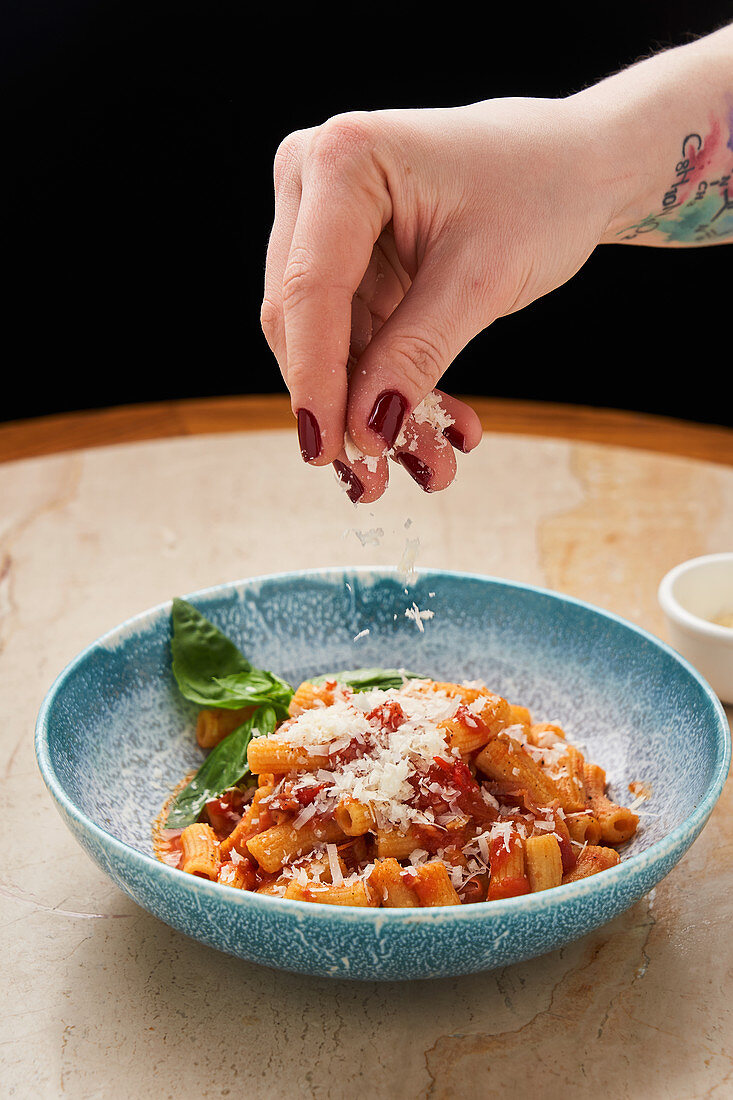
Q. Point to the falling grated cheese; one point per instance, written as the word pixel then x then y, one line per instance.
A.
pixel 406 570
pixel 370 537
pixel 418 616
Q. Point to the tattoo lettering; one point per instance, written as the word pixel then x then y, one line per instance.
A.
pixel 697 207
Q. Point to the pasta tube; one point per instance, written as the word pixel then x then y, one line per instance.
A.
pixel 212 726
pixel 200 851
pixel 239 875
pixel 508 867
pixel 389 884
pixel 354 818
pixel 591 860
pixel 505 760
pixel 583 828
pixel 391 842
pixel 355 893
pixel 270 754
pixel 278 845
pixel 544 862
pixel 617 822
pixel 432 884
pixel 308 695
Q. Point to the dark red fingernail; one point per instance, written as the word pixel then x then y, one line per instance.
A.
pixel 455 438
pixel 309 435
pixel 387 415
pixel 418 470
pixel 354 487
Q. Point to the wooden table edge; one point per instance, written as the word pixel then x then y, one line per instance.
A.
pixel 74 431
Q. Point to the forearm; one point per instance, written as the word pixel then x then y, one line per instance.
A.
pixel 663 131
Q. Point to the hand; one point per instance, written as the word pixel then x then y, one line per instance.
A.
pixel 400 235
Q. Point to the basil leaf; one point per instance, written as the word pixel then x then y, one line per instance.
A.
pixel 249 689
pixel 211 671
pixel 266 721
pixel 370 679
pixel 224 767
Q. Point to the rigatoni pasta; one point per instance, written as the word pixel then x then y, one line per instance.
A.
pixel 424 794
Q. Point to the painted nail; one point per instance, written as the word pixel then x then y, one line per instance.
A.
pixel 418 470
pixel 352 484
pixel 455 438
pixel 387 416
pixel 309 435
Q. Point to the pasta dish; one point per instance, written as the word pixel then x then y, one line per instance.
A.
pixel 420 793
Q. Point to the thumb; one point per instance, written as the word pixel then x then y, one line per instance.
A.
pixel 402 364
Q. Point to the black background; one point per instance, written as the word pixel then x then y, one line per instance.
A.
pixel 138 145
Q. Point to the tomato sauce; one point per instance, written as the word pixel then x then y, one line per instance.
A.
pixel 390 715
pixel 168 848
pixel 226 811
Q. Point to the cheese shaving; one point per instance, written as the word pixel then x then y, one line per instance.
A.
pixel 337 877
pixel 418 616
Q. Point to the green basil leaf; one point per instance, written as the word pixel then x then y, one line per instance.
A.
pixel 224 767
pixel 249 689
pixel 266 721
pixel 370 679
pixel 211 671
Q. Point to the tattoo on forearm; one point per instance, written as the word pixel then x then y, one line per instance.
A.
pixel 697 207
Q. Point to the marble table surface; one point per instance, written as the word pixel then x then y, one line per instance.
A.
pixel 102 1000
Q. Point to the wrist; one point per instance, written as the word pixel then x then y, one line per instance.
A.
pixel 660 129
pixel 623 154
pixel 602 160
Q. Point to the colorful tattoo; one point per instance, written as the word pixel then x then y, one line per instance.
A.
pixel 697 207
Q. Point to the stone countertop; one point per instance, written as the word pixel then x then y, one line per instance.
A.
pixel 103 1000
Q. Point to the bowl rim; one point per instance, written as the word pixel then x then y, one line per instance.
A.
pixel 566 894
pixel 678 613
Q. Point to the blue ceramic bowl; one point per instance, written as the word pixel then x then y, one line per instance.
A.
pixel 114 737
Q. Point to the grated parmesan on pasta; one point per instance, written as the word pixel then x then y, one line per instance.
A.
pixel 439 786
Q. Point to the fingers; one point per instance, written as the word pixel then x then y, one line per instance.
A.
pixel 426 455
pixel 464 434
pixel 409 353
pixel 425 449
pixel 331 205
pixel 363 480
pixel 344 207
pixel 380 291
pixel 287 173
pixel 359 344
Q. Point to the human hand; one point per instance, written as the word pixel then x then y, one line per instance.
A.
pixel 398 236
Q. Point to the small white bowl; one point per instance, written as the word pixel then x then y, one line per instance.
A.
pixel 692 596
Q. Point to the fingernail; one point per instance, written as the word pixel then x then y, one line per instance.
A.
pixel 418 470
pixel 455 438
pixel 352 484
pixel 309 435
pixel 387 415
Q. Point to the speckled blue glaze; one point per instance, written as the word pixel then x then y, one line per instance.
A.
pixel 114 737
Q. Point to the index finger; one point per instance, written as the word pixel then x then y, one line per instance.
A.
pixel 344 207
